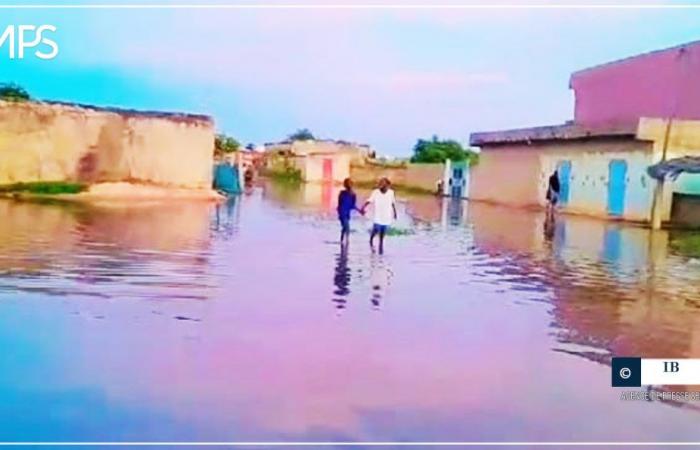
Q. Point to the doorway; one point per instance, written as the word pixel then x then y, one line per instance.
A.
pixel 327 169
pixel 564 172
pixel 459 180
pixel 617 175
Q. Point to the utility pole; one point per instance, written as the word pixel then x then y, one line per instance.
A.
pixel 658 199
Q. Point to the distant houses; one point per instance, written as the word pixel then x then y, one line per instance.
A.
pixel 316 160
pixel 629 115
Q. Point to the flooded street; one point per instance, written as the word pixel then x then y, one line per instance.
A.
pixel 245 321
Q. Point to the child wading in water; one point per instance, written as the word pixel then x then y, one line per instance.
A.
pixel 384 204
pixel 347 201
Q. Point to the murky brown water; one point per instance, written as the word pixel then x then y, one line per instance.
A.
pixel 245 321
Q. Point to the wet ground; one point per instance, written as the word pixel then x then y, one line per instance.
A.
pixel 246 321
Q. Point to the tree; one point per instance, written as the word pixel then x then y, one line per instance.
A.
pixel 13 92
pixel 437 151
pixel 226 144
pixel 302 134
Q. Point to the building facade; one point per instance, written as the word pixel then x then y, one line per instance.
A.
pixel 316 160
pixel 356 152
pixel 323 167
pixel 45 141
pixel 619 130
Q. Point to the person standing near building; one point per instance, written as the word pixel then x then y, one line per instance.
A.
pixel 553 191
pixel 384 205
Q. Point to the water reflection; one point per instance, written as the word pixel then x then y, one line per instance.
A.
pixel 380 279
pixel 67 249
pixel 549 228
pixel 341 278
pixel 485 320
pixel 615 290
pixel 455 211
pixel 227 216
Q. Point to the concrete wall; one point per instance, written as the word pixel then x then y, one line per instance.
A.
pixel 508 174
pixel 311 167
pixel 356 152
pixel 421 176
pixel 56 142
pixel 683 140
pixel 588 191
pixel 657 84
pixel 517 175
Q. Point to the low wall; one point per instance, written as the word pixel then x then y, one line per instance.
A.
pixel 356 152
pixel 506 175
pixel 420 176
pixel 61 142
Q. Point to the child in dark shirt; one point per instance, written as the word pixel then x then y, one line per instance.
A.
pixel 347 201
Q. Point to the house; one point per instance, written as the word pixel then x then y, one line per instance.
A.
pixel 317 160
pixel 357 152
pixel 629 115
pixel 322 167
pixel 250 159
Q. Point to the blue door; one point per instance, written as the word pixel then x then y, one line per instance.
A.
pixel 617 173
pixel 564 171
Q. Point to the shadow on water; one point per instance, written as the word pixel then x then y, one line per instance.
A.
pixel 380 279
pixel 341 278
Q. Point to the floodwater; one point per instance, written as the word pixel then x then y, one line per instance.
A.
pixel 246 322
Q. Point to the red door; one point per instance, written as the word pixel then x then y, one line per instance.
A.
pixel 328 169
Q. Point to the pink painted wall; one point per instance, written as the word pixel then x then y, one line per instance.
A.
pixel 655 84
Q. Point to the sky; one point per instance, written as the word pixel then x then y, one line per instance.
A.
pixel 380 76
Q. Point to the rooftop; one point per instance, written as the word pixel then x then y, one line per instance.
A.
pixel 327 141
pixel 633 57
pixel 567 131
pixel 176 116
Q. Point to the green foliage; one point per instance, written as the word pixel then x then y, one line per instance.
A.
pixel 226 144
pixel 437 151
pixel 43 188
pixel 686 243
pixel 393 231
pixel 13 93
pixel 302 134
